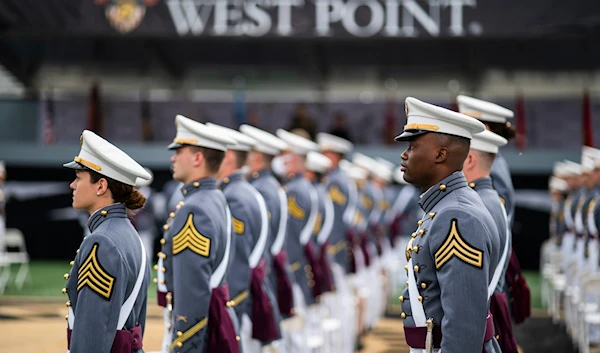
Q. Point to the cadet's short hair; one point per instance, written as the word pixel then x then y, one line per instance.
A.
pixel 240 158
pixel 487 159
pixel 505 130
pixel 213 157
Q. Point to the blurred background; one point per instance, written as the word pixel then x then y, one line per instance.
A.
pixel 125 68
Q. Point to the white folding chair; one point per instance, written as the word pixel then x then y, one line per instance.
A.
pixel 13 238
pixel 590 291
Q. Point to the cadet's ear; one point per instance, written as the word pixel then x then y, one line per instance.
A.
pixel 101 187
pixel 442 155
pixel 198 158
pixel 469 162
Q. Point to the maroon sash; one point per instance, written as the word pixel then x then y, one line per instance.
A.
pixel 264 325
pixel 364 245
pixel 395 229
pixel 126 341
pixel 309 251
pixel 502 324
pixel 161 297
pixel 519 291
pixel 285 297
pixel 351 259
pixel 327 283
pixel 221 332
pixel 415 336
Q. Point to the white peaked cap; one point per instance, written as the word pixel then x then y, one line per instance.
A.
pixel 363 161
pixel 382 171
pixel 572 168
pixel 557 184
pixel 140 183
pixel 423 117
pixel 243 142
pixel 593 154
pixel 487 141
pixel 399 176
pixel 298 144
pixel 353 172
pixel 191 132
pixel 266 142
pixel 329 142
pixel 483 110
pixel 559 170
pixel 385 162
pixel 317 162
pixel 103 157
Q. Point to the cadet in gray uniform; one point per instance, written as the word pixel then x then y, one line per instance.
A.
pixel 342 192
pixel 316 167
pixel 108 282
pixel 477 166
pixel 252 297
pixel 197 247
pixel 259 161
pixel 302 213
pixel 495 118
pixel 453 253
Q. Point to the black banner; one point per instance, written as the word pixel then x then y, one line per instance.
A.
pixel 300 18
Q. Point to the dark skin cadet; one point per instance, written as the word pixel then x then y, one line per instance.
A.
pixel 431 157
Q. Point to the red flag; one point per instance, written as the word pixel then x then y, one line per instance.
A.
pixel 587 128
pixel 95 122
pixel 390 122
pixel 521 126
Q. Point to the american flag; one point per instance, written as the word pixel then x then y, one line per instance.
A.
pixel 48 133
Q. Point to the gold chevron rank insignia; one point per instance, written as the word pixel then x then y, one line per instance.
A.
pixel 384 205
pixel 336 195
pixel 92 274
pixel 294 209
pixel 189 238
pixel 238 226
pixel 318 223
pixel 367 202
pixel 456 246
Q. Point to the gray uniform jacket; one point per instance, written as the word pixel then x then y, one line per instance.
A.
pixel 269 187
pixel 502 181
pixel 492 202
pixel 454 251
pixel 342 192
pixel 194 245
pixel 302 211
pixel 246 220
pixel 103 275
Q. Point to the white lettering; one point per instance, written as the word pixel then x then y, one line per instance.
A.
pixel 224 15
pixel 456 15
pixel 284 12
pixel 261 18
pixel 186 17
pixel 414 11
pixel 375 24
pixel 328 12
pixel 391 15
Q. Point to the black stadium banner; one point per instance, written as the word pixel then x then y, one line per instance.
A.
pixel 299 18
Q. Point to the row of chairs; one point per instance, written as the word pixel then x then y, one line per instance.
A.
pixel 13 252
pixel 571 294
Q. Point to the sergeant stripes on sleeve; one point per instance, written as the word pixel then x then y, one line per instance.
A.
pixel 94 276
pixel 182 337
pixel 456 246
pixel 189 238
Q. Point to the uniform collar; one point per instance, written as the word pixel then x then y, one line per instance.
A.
pixel 200 184
pixel 261 174
pixel 481 183
pixel 116 210
pixel 293 177
pixel 232 178
pixel 436 193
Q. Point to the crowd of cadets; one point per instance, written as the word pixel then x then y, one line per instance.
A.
pixel 276 243
pixel 570 258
